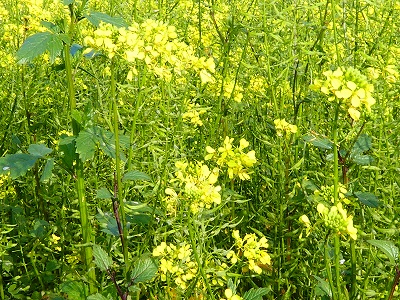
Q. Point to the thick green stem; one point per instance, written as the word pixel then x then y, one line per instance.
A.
pixel 336 196
pixel 80 182
pixel 118 172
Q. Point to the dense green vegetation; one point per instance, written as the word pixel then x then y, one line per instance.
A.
pixel 199 149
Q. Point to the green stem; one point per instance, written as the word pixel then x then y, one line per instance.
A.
pixel 329 270
pixel 353 270
pixel 333 10
pixel 194 241
pixel 336 196
pixel 118 167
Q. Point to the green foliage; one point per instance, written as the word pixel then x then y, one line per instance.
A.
pixel 101 258
pixel 387 247
pixel 144 270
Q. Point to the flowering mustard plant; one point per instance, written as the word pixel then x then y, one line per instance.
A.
pixel 350 87
pixel 283 128
pixel 251 251
pixel 230 295
pixel 154 43
pixel 195 184
pixel 234 159
pixel 176 263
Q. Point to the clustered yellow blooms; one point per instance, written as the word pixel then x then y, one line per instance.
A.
pixel 350 87
pixel 176 263
pixel 250 251
pixel 193 113
pixel 54 241
pixel 230 295
pixel 335 217
pixel 154 43
pixel 235 159
pixel 284 128
pixel 6 189
pixel 196 185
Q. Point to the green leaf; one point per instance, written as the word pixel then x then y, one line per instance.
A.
pixel 38 44
pixel 323 288
pixel 108 223
pixel 97 17
pixel 136 175
pixel 17 164
pixel 47 171
pixel 362 160
pixel 39 150
pixel 97 296
pixel 368 199
pixel 144 270
pixel 103 193
pixel 362 144
pixel 68 2
pixel 388 247
pixel 74 289
pixel 318 141
pixel 255 294
pixel 101 258
pixel 39 228
pixel 85 145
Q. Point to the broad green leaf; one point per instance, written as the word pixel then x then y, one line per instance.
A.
pixel 39 150
pixel 388 247
pixel 75 48
pixel 362 144
pixel 255 294
pixel 39 228
pixel 318 141
pixel 368 199
pixel 85 145
pixel 145 269
pixel 136 175
pixel 68 2
pixel 97 296
pixel 101 258
pixel 50 26
pixel 97 17
pixel 17 164
pixel 323 287
pixel 74 289
pixel 363 160
pixel 103 193
pixel 107 223
pixel 38 44
pixel 47 171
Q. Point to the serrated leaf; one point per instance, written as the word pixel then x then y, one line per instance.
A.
pixel 47 171
pixel 97 17
pixel 388 247
pixel 74 289
pixel 255 294
pixel 368 199
pixel 17 164
pixel 318 141
pixel 37 44
pixel 50 26
pixel 363 160
pixel 97 296
pixel 39 150
pixel 85 145
pixel 323 287
pixel 103 193
pixel 145 269
pixel 136 175
pixel 101 258
pixel 363 144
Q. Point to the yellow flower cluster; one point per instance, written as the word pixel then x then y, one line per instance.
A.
pixel 193 113
pixel 154 43
pixel 327 193
pixel 176 263
pixel 336 219
pixel 234 159
pixel 196 185
pixel 350 87
pixel 6 189
pixel 230 295
pixel 284 128
pixel 251 249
